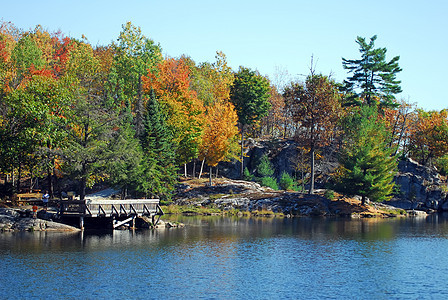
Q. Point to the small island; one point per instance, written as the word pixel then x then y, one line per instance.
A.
pixel 202 138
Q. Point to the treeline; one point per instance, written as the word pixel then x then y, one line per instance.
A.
pixel 125 115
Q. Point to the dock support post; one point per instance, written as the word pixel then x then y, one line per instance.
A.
pixel 81 222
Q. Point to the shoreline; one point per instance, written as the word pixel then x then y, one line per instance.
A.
pixel 16 219
pixel 232 198
pixel 238 197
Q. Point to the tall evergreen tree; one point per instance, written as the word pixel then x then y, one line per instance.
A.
pixel 124 170
pixel 159 166
pixel 372 76
pixel 367 167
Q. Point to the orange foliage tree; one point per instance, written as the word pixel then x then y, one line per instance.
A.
pixel 8 40
pixel 274 123
pixel 398 122
pixel 220 134
pixel 429 136
pixel 212 83
pixel 31 98
pixel 170 83
pixel 316 109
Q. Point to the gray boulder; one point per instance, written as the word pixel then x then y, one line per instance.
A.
pixel 30 224
pixel 444 206
pixel 6 222
pixel 404 204
pixel 419 186
pixel 9 212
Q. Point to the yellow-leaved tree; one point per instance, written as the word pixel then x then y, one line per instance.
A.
pixel 170 84
pixel 219 141
pixel 220 136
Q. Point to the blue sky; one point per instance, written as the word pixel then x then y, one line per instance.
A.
pixel 268 35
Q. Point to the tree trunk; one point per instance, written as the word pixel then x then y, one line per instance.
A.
pixel 364 185
pixel 312 171
pixel 202 168
pixel 185 170
pixel 400 137
pixel 210 176
pixel 242 151
pixel 82 191
pixel 50 182
pixel 57 187
pixel 194 168
pixel 50 172
pixel 19 177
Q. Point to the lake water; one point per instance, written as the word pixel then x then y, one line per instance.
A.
pixel 233 258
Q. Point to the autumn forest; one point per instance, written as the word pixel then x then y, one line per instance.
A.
pixel 123 115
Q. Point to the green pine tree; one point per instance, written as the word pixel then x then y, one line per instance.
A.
pixel 287 183
pixel 159 167
pixel 266 170
pixel 265 167
pixel 367 167
pixel 247 176
pixel 269 182
pixel 124 169
pixel 372 76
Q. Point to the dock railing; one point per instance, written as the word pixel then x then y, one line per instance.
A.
pixel 110 208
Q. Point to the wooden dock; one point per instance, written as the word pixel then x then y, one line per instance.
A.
pixel 120 212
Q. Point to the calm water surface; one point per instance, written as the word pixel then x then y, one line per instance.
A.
pixel 225 258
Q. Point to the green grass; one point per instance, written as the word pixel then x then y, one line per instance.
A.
pixel 216 196
pixel 201 210
pixel 397 211
pixel 329 194
pixel 189 209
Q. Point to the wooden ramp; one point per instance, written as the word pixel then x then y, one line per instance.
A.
pixel 120 211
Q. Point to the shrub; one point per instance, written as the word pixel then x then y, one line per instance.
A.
pixel 246 175
pixel 287 183
pixel 265 167
pixel 269 182
pixel 442 164
pixel 397 191
pixel 329 194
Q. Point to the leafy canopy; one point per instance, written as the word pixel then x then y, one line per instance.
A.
pixel 250 94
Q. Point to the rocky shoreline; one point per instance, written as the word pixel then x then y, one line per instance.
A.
pixel 244 196
pixel 12 219
pixel 420 191
pixel 417 187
